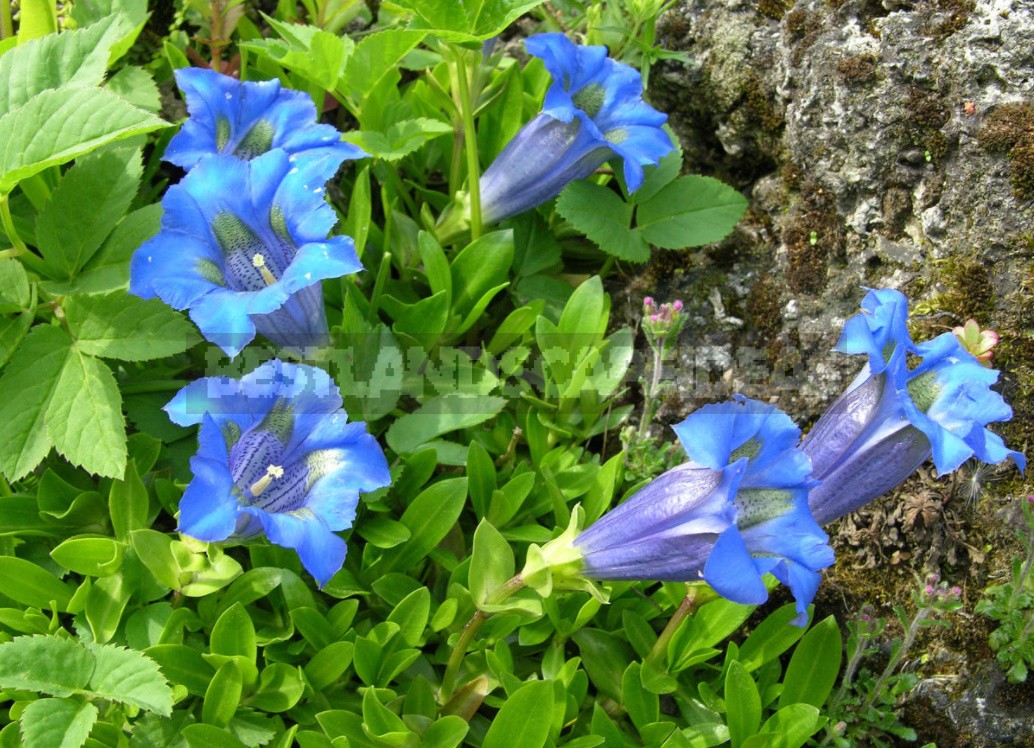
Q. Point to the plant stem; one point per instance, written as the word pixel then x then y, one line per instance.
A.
pixel 651 392
pixel 461 81
pixel 452 668
pixel 895 660
pixel 686 608
pixel 7 221
pixel 6 22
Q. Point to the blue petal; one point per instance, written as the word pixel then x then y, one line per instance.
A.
pixel 208 509
pixel 803 584
pixel 318 261
pixel 321 551
pixel 730 570
pixel 289 115
pixel 360 461
pixel 879 329
pixel 166 266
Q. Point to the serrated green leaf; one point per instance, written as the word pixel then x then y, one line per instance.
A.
pixel 15 294
pixel 130 677
pixel 57 723
pixel 135 85
pixel 46 664
pixel 31 377
pixel 401 139
pixel 605 218
pixel 314 54
pixel 466 21
pixel 69 229
pixel 131 15
pixel 61 124
pixel 376 56
pixel 84 418
pixel 438 416
pixel 121 326
pixel 690 212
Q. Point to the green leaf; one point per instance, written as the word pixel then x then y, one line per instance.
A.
pixel 690 212
pixel 121 326
pixel 223 695
pixel 438 416
pixel 30 585
pixel 401 139
pixel 375 57
pixel 642 705
pixel 524 719
pixel 491 563
pixel 466 21
pixel 59 125
pixel 605 218
pixel 481 473
pixel 58 723
pixel 411 615
pixel 234 634
pixel 280 688
pixel 46 664
pixel 742 703
pixel 154 549
pixel 314 54
pixel 429 518
pixel 136 86
pixel 15 293
pixel 481 269
pixel 771 638
pixel 209 736
pixel 31 377
pixel 790 727
pixel 105 604
pixel 130 677
pixel 182 665
pixel 84 418
pixel 130 17
pixel 327 665
pixel 128 503
pixel 36 18
pixel 814 666
pixel 95 557
pixel 69 229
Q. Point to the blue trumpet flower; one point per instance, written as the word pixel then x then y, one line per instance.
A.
pixel 248 119
pixel 737 510
pixel 592 112
pixel 244 247
pixel 276 455
pixel 891 419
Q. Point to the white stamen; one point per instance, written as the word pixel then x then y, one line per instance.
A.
pixel 272 472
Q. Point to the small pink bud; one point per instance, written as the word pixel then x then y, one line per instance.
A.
pixel 678 305
pixel 648 301
pixel 655 318
pixel 956 591
pixel 929 590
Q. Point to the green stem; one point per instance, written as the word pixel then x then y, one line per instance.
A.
pixel 6 22
pixel 651 393
pixel 7 221
pixel 461 81
pixel 906 644
pixel 452 667
pixel 687 607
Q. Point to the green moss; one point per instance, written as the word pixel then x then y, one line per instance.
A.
pixel 1009 129
pixel 774 9
pixel 857 70
pixel 958 16
pixel 760 107
pixel 1014 356
pixel 928 114
pixel 813 234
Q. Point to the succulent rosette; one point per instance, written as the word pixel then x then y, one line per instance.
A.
pixel 276 455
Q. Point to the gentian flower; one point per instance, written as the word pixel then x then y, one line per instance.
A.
pixel 592 112
pixel 737 510
pixel 891 419
pixel 244 247
pixel 276 455
pixel 248 119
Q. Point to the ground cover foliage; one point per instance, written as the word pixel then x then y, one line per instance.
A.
pixel 483 358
